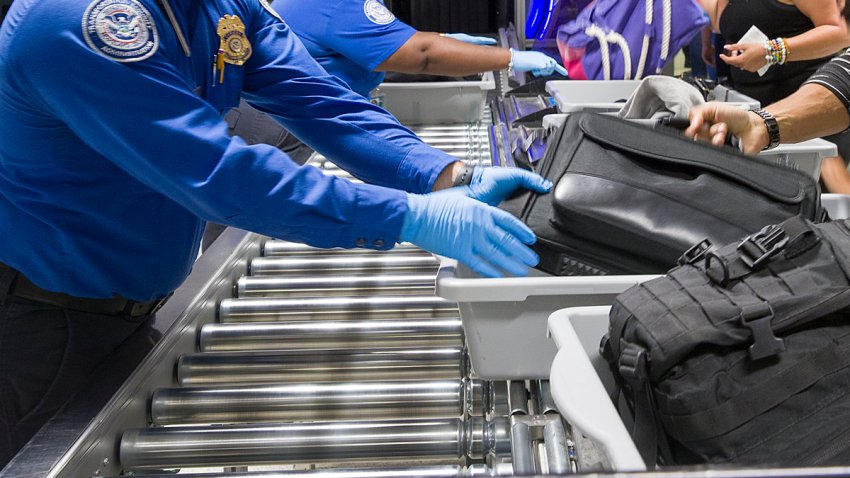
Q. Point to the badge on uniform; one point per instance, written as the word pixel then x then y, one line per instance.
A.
pixel 234 44
pixel 377 13
pixel 121 30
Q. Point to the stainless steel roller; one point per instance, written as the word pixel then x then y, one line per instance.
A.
pixel 445 440
pixel 264 286
pixel 289 249
pixel 436 471
pixel 299 366
pixel 335 308
pixel 364 264
pixel 308 402
pixel 299 335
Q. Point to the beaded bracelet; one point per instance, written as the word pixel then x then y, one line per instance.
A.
pixel 776 51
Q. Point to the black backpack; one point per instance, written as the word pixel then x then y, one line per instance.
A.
pixel 741 354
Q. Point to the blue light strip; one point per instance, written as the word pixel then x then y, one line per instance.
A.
pixel 548 20
pixel 531 27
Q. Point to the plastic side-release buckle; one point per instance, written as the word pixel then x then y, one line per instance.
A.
pixel 632 365
pixel 757 248
pixel 757 318
pixel 694 253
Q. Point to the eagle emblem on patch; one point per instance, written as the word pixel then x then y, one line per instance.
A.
pixel 377 12
pixel 122 30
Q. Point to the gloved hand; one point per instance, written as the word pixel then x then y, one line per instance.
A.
pixel 494 185
pixel 471 39
pixel 537 63
pixel 486 239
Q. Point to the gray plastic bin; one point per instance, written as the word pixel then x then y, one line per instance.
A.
pixel 581 384
pixel 505 319
pixel 610 96
pixel 437 102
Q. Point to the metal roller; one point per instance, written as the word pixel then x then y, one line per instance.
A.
pixel 289 249
pixel 299 335
pixel 335 308
pixel 444 440
pixel 408 284
pixel 364 264
pixel 438 471
pixel 308 402
pixel 299 366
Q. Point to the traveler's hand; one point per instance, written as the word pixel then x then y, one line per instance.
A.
pixel 746 56
pixel 471 39
pixel 486 239
pixel 494 185
pixel 712 121
pixel 537 63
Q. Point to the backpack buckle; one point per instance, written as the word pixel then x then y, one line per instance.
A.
pixel 758 248
pixel 632 365
pixel 694 253
pixel 757 318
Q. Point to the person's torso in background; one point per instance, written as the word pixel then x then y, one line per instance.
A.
pixel 775 20
pixel 349 38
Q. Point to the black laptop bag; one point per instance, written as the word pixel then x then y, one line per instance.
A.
pixel 629 199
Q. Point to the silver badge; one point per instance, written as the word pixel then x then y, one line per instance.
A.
pixel 377 13
pixel 122 30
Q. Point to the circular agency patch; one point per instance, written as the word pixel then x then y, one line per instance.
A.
pixel 122 30
pixel 377 13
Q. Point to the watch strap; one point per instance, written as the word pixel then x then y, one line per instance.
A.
pixel 464 177
pixel 772 127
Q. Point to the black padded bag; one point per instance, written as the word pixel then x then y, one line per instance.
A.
pixel 741 356
pixel 629 199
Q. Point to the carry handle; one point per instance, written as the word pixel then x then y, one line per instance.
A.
pixel 781 184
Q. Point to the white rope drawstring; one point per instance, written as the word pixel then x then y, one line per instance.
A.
pixel 595 32
pixel 665 38
pixel 644 49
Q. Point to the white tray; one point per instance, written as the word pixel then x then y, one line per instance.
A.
pixel 437 102
pixel 581 384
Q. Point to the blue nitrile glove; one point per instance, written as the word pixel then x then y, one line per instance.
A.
pixel 494 185
pixel 537 63
pixel 485 238
pixel 471 39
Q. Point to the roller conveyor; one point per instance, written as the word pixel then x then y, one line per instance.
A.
pixel 361 264
pixel 290 354
pixel 345 286
pixel 298 335
pixel 446 440
pixel 336 365
pixel 335 308
pixel 308 402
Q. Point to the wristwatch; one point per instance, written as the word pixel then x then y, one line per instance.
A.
pixel 464 177
pixel 772 127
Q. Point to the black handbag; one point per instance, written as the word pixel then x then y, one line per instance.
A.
pixel 630 199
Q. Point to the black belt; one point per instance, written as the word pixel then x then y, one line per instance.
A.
pixel 22 287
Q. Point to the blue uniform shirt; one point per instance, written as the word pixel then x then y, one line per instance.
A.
pixel 113 150
pixel 350 38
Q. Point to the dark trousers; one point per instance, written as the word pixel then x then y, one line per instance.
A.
pixel 46 354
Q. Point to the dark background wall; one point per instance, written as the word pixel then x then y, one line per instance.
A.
pixel 453 16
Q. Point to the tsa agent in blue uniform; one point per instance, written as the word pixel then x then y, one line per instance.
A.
pixel 359 40
pixel 113 153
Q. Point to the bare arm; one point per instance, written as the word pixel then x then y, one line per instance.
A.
pixel 827 37
pixel 433 54
pixel 811 112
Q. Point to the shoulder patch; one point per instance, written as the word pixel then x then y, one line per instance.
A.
pixel 121 30
pixel 268 6
pixel 377 13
